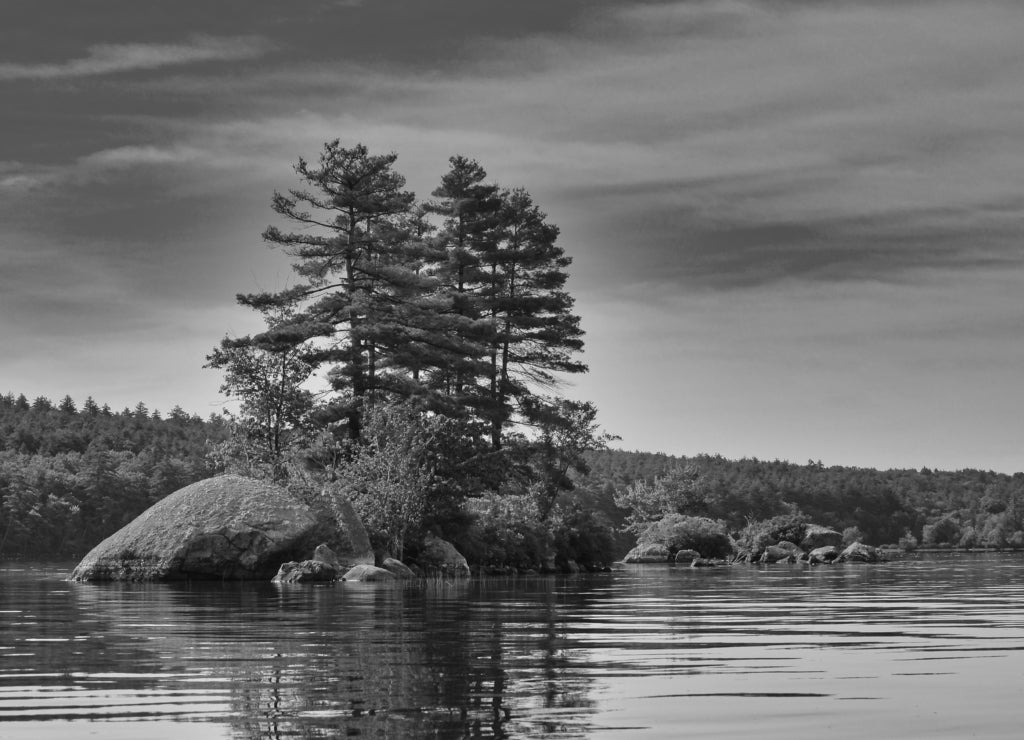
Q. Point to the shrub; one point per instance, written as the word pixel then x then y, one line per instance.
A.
pixel 756 536
pixel 506 531
pixel 582 535
pixel 851 535
pixel 969 538
pixel 908 542
pixel 678 532
pixel 945 531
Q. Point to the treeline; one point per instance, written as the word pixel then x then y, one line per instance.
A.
pixel 71 476
pixel 965 508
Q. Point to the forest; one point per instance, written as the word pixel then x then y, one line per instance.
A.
pixel 71 476
pixel 414 367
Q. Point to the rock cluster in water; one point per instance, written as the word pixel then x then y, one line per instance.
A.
pixel 820 545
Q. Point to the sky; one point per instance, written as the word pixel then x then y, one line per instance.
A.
pixel 796 225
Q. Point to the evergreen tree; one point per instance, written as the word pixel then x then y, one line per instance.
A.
pixel 469 207
pixel 534 331
pixel 361 273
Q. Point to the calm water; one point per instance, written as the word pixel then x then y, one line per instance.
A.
pixel 918 648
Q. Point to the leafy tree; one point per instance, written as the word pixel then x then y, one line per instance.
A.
pixel 565 431
pixel 390 475
pixel 266 374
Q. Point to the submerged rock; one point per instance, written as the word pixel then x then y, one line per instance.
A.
pixel 369 574
pixel 228 527
pixel 704 563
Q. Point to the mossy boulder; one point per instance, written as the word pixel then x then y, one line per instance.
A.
pixel 652 553
pixel 223 528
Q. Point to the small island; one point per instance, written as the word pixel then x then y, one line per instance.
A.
pixel 410 380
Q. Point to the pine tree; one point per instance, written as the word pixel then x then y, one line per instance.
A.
pixel 366 305
pixel 535 333
pixel 470 209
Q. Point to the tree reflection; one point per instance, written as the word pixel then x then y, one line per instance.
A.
pixel 471 660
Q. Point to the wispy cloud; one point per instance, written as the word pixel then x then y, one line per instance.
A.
pixel 20 177
pixel 104 59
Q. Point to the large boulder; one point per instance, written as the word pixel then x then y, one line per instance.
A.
pixel 228 527
pixel 816 536
pixel 653 553
pixel 439 557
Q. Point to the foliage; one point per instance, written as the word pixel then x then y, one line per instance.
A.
pixel 506 532
pixel 944 531
pixel 908 542
pixel 467 320
pixel 581 535
pixel 566 431
pixel 756 536
pixel 851 535
pixel 679 532
pixel 266 375
pixel 883 504
pixel 390 475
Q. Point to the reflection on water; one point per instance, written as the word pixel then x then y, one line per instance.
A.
pixel 917 648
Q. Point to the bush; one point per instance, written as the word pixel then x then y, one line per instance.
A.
pixel 506 531
pixel 851 535
pixel 679 532
pixel 756 536
pixel 945 531
pixel 908 542
pixel 581 535
pixel 969 538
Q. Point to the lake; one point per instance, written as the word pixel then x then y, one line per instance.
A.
pixel 925 647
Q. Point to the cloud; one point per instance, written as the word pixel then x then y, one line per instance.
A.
pixel 25 178
pixel 104 59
